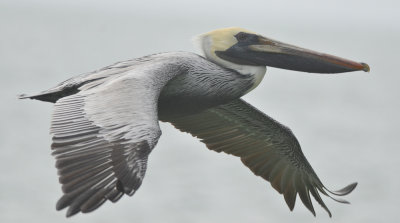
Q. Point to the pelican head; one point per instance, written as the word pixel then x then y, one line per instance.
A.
pixel 243 50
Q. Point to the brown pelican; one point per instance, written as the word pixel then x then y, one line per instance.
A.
pixel 106 123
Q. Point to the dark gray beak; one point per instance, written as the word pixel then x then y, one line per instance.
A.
pixel 267 52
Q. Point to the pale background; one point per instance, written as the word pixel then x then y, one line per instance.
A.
pixel 347 124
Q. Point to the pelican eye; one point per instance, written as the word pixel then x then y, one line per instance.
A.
pixel 242 36
pixel 246 38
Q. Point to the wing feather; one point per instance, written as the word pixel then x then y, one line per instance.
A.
pixel 266 147
pixel 102 137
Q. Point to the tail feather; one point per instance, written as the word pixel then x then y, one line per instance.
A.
pixel 48 97
pixel 53 94
pixel 66 88
pixel 23 96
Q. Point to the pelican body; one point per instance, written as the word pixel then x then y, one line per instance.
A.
pixel 106 123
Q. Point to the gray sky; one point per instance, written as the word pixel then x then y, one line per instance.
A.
pixel 347 124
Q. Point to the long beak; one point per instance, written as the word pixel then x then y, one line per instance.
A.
pixel 277 54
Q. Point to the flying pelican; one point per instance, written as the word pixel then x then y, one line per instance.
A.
pixel 106 123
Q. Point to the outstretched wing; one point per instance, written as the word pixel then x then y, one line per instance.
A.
pixel 268 148
pixel 102 137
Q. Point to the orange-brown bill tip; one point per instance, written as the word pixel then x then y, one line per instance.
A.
pixel 365 67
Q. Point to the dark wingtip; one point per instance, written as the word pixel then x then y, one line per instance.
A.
pixel 72 212
pixel 290 198
pixel 342 192
pixel 346 190
pixel 318 198
pixel 63 202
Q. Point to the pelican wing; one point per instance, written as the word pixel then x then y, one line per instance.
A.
pixel 265 146
pixel 102 137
